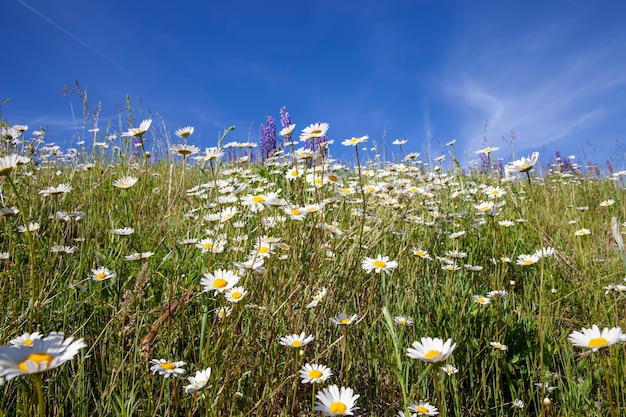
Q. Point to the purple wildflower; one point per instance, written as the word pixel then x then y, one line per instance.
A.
pixel 285 120
pixel 268 138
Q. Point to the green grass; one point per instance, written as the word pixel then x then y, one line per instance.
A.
pixel 155 307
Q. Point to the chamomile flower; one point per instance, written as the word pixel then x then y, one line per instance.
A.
pixel 184 132
pixel 487 150
pixel 498 345
pixel 314 373
pixel 44 354
pixel 506 223
pixel 235 294
pixel 522 165
pixel 167 368
pixel 8 164
pixel 32 227
pixel 223 312
pixel 423 408
pixel 219 281
pixel 101 273
pixel 379 264
pixel 296 340
pixel 497 294
pixel 481 299
pixel 317 298
pixel 582 232
pixel 124 231
pixel 545 252
pixel 199 381
pixel 403 320
pixel 26 339
pixel 431 350
pixel 517 404
pixel 258 202
pixel 59 189
pixel 138 131
pixel 421 253
pixel 595 338
pixel 313 131
pixel 449 369
pixel 335 401
pixel 526 260
pixel 210 154
pixel 355 141
pixel 138 255
pixel 184 150
pixel 287 131
pixel 607 203
pixel 344 319
pixel 125 182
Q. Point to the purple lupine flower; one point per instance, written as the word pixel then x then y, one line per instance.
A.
pixel 609 167
pixel 285 120
pixel 498 167
pixel 268 138
pixel 564 164
pixel 484 162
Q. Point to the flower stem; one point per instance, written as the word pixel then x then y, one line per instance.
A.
pixel 31 244
pixel 40 400
pixel 609 390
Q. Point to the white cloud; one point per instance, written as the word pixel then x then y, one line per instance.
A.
pixel 544 91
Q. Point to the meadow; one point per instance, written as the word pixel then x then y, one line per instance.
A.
pixel 238 281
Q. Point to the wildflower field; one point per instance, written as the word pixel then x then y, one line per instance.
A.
pixel 142 276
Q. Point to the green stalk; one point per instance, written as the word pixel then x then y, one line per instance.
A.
pixel 40 399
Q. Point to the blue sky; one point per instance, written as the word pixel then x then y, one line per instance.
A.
pixel 553 72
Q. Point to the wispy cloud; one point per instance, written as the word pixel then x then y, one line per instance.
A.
pixel 71 35
pixel 543 91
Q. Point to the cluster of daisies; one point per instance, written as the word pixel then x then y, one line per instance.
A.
pixel 244 195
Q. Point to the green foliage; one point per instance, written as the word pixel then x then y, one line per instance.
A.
pixel 155 307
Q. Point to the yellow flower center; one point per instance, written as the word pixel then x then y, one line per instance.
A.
pixel 431 354
pixel 379 264
pixel 219 283
pixel 598 342
pixel 337 407
pixel 318 180
pixel 296 343
pixel 236 295
pixel 208 245
pixel 344 321
pixel 314 374
pixel 332 177
pixel 101 275
pixel 528 262
pixel 420 253
pixel 5 171
pixel 264 249
pixel 168 366
pixel 345 190
pixel 316 132
pixel 37 358
pixel 422 409
pixel 295 212
pixel 27 342
pixel 258 199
